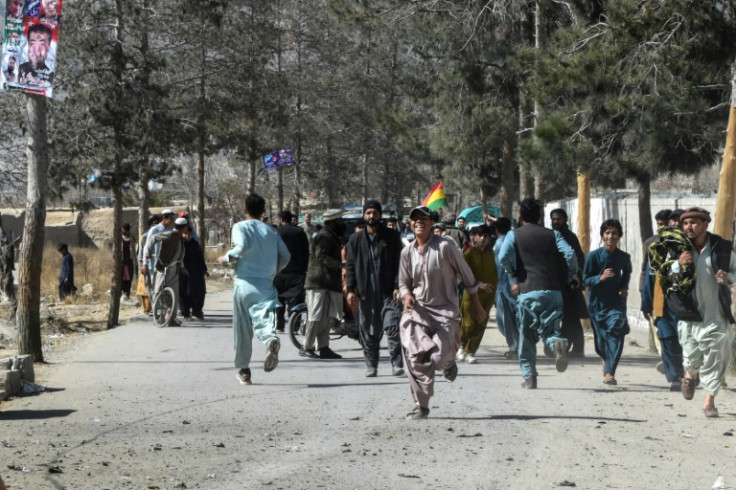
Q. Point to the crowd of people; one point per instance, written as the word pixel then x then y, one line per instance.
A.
pixel 431 296
pixel 169 255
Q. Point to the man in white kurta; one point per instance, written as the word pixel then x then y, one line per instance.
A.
pixel 430 325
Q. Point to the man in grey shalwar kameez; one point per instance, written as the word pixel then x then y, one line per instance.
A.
pixel 706 341
pixel 430 325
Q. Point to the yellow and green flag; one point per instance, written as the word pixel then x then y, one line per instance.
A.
pixel 436 197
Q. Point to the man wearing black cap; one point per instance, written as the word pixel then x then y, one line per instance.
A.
pixel 674 219
pixel 572 298
pixel 290 281
pixel 430 325
pixel 706 339
pixel 372 267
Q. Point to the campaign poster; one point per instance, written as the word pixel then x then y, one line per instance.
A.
pixel 30 41
pixel 279 158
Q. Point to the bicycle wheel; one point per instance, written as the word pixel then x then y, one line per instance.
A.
pixel 298 325
pixel 164 306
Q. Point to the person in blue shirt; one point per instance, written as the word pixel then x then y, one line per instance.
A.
pixel 505 300
pixel 66 278
pixel 258 254
pixel 606 274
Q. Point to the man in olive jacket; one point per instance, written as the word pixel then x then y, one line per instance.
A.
pixel 373 258
pixel 324 286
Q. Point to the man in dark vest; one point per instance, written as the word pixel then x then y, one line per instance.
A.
pixel 538 281
pixel 290 281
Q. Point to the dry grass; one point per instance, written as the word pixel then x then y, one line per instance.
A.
pixel 91 266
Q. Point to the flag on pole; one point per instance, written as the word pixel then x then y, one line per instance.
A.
pixel 436 197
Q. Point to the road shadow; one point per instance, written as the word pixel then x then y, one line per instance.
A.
pixel 367 383
pixel 34 414
pixel 547 417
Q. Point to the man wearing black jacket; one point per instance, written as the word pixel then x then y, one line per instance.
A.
pixel 373 258
pixel 290 281
pixel 572 297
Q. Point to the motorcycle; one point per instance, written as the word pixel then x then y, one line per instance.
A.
pixel 297 327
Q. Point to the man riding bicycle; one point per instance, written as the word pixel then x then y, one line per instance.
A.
pixel 169 262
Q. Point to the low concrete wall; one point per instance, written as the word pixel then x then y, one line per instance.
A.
pixel 13 372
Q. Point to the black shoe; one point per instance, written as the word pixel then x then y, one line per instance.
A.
pixel 198 316
pixel 560 355
pixel 244 376
pixel 327 353
pixel 530 383
pixel 310 353
pixel 451 372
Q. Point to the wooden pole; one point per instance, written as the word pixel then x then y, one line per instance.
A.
pixel 725 203
pixel 584 211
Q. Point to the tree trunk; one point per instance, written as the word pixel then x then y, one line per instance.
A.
pixel 725 204
pixel 31 250
pixel 116 283
pixel 251 176
pixel 143 171
pixel 723 220
pixel 143 199
pixel 200 151
pixel 584 211
pixel 645 207
pixel 279 191
pixel 525 117
pixel 364 162
pixel 508 180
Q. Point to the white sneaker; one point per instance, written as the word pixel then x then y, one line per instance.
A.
pixel 272 354
pixel 470 359
pixel 460 354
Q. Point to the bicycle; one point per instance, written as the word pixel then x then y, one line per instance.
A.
pixel 164 301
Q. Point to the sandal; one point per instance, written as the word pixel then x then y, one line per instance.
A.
pixel 610 381
pixel 418 413
pixel 710 411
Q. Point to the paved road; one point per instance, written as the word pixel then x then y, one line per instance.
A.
pixel 139 407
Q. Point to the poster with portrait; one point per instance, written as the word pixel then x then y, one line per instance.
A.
pixel 279 158
pixel 30 41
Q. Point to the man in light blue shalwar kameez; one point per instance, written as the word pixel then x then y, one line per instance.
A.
pixel 505 300
pixel 534 256
pixel 258 254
